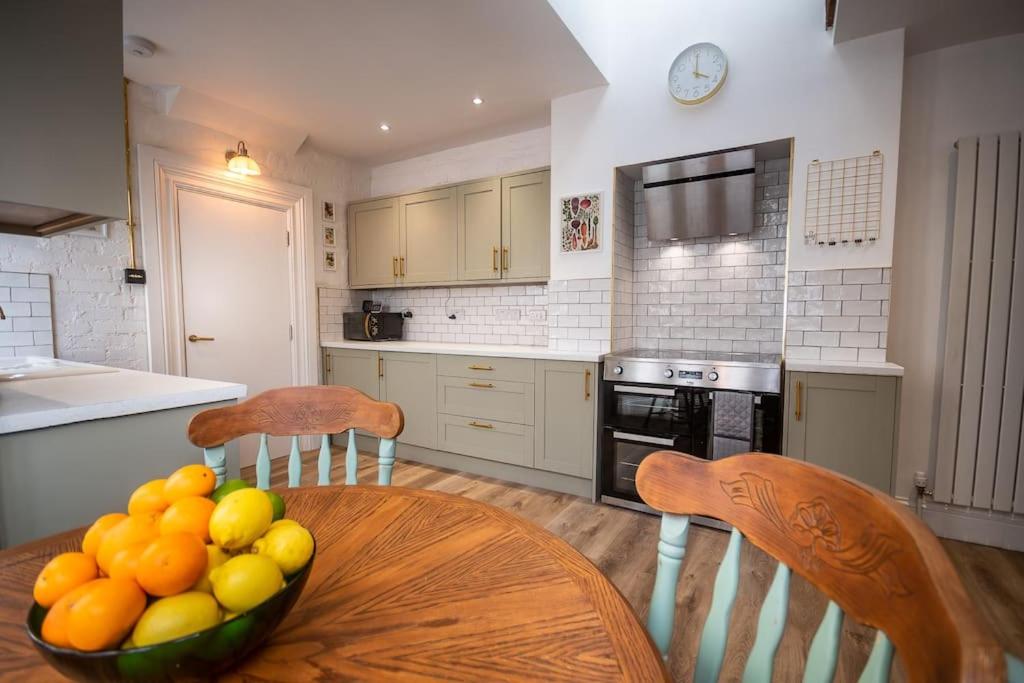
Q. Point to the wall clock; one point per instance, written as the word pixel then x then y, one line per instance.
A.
pixel 697 73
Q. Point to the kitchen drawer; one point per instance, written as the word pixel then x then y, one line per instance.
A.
pixel 487 439
pixel 483 367
pixel 487 399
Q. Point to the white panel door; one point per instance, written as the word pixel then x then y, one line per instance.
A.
pixel 236 288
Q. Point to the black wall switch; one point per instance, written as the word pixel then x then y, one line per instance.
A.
pixel 135 276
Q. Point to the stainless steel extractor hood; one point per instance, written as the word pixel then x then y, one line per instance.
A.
pixel 62 140
pixel 700 196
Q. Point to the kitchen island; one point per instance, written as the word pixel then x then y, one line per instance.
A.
pixel 76 440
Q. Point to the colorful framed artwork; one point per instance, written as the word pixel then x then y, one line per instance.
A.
pixel 329 236
pixel 328 211
pixel 581 223
pixel 330 259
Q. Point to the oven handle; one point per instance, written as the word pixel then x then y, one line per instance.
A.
pixel 644 391
pixel 643 438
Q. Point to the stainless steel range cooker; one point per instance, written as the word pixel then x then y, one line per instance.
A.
pixel 710 405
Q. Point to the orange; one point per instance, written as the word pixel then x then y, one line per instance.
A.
pixel 55 625
pixel 125 562
pixel 190 514
pixel 134 529
pixel 104 614
pixel 190 480
pixel 99 528
pixel 62 574
pixel 172 564
pixel 148 498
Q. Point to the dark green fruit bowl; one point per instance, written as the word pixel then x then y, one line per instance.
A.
pixel 195 657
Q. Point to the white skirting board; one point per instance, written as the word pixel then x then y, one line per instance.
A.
pixel 976 526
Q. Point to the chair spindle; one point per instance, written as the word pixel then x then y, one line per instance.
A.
pixel 879 663
pixel 323 462
pixel 263 464
pixel 351 460
pixel 216 459
pixel 824 652
pixel 385 461
pixel 771 622
pixel 671 549
pixel 294 464
pixel 716 626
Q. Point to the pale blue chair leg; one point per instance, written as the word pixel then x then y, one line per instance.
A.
pixel 324 461
pixel 1014 669
pixel 294 464
pixel 824 652
pixel 215 458
pixel 716 626
pixel 263 464
pixel 879 664
pixel 671 549
pixel 385 461
pixel 351 460
pixel 770 624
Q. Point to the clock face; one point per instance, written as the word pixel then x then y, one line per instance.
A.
pixel 697 73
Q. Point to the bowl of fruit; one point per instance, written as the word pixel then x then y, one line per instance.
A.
pixel 185 584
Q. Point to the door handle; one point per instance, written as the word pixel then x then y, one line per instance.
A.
pixel 586 385
pixel 380 366
pixel 799 401
pixel 504 258
pixel 401 266
pixel 196 338
pixel 494 259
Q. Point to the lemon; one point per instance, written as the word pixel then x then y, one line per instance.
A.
pixel 240 518
pixel 280 523
pixel 215 557
pixel 176 617
pixel 245 581
pixel 290 546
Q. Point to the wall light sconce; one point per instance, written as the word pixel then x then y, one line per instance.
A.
pixel 240 162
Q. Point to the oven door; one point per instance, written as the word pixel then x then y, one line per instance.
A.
pixel 681 414
pixel 621 454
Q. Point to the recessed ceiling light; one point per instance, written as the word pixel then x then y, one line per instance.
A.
pixel 478 100
pixel 385 127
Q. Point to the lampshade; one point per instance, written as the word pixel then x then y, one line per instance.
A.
pixel 240 162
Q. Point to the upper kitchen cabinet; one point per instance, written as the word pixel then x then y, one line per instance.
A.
pixel 428 237
pixel 480 230
pixel 373 243
pixel 525 225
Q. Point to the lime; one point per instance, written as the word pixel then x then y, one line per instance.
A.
pixel 176 617
pixel 245 581
pixel 290 546
pixel 278 502
pixel 215 557
pixel 227 487
pixel 240 518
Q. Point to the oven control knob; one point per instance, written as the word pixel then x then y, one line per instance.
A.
pixel 713 376
pixel 617 369
pixel 668 373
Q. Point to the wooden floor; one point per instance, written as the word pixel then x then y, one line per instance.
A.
pixel 622 543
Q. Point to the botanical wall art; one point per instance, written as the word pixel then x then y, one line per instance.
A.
pixel 581 222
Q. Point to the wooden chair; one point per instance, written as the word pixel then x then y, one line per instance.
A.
pixel 297 411
pixel 868 554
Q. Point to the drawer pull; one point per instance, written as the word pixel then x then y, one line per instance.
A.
pixel 799 401
pixel 481 385
pixel 480 367
pixel 480 425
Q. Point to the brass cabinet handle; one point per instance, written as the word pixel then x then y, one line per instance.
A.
pixel 504 258
pixel 586 385
pixel 401 266
pixel 494 259
pixel 394 266
pixel 480 425
pixel 380 366
pixel 196 338
pixel 481 385
pixel 480 367
pixel 799 401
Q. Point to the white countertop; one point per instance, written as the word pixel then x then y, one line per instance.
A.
pixel 47 402
pixel 844 367
pixel 490 350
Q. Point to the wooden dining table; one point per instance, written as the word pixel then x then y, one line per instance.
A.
pixel 409 585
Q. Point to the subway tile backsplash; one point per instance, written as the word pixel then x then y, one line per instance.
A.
pixel 28 327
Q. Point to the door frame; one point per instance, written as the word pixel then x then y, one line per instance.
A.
pixel 162 175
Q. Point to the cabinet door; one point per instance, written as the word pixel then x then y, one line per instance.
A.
pixel 410 381
pixel 526 225
pixel 566 417
pixel 354 368
pixel 843 422
pixel 428 228
pixel 480 230
pixel 373 243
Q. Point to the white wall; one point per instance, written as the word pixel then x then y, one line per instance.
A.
pixel 964 90
pixel 786 79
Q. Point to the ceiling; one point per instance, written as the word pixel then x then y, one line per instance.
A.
pixel 337 69
pixel 931 24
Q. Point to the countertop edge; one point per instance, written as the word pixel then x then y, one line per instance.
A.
pixel 845 367
pixel 450 349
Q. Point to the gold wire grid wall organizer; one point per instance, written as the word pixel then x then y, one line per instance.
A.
pixel 844 201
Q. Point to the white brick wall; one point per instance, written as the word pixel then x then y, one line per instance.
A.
pixel 622 272
pixel 28 327
pixel 580 315
pixel 838 314
pixel 715 293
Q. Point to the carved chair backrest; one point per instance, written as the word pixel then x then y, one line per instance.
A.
pixel 295 412
pixel 867 553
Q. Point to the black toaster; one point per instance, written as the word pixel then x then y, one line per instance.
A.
pixel 372 326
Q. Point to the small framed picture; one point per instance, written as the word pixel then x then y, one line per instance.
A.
pixel 329 240
pixel 330 259
pixel 581 223
pixel 328 211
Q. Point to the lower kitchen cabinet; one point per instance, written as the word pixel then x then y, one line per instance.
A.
pixel 566 417
pixel 409 380
pixel 353 368
pixel 846 423
pixel 491 440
